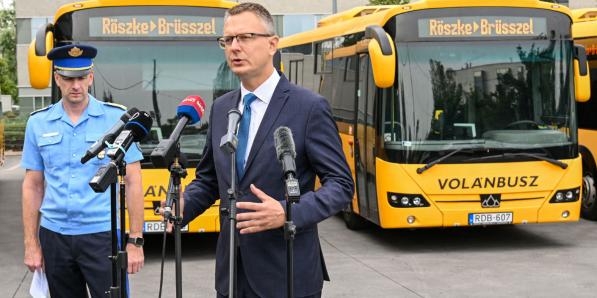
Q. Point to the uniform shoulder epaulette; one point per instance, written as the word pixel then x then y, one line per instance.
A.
pixel 40 110
pixel 116 105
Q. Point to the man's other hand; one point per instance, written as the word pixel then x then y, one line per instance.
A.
pixel 267 215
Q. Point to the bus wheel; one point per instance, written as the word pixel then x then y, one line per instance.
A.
pixel 589 196
pixel 352 220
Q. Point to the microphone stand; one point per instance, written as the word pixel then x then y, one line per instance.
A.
pixel 119 257
pixel 229 143
pixel 176 173
pixel 232 197
pixel 293 194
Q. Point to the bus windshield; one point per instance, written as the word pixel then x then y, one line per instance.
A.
pixel 131 72
pixel 505 96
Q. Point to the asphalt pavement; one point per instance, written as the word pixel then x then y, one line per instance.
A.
pixel 547 260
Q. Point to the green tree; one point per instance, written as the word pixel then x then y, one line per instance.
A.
pixel 388 2
pixel 8 52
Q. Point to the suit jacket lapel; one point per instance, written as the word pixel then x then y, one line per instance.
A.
pixel 271 115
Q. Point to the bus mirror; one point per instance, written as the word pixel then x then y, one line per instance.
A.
pixel 40 68
pixel 41 37
pixel 383 56
pixel 582 80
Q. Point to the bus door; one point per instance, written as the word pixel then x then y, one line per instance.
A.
pixel 365 136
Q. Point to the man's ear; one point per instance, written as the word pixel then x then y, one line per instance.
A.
pixel 273 44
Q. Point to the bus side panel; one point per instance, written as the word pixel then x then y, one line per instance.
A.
pixel 348 148
pixel 588 138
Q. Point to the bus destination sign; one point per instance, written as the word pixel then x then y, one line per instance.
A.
pixel 155 26
pixel 486 26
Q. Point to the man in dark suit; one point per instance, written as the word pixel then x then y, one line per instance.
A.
pixel 268 101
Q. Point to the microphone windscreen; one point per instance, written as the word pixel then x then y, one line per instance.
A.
pixel 191 107
pixel 284 142
pixel 139 125
pixel 128 114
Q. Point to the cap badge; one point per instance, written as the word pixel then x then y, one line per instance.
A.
pixel 75 52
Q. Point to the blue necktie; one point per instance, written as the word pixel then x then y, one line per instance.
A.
pixel 243 134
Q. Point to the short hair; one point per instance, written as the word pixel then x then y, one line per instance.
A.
pixel 256 9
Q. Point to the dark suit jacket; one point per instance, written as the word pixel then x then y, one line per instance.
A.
pixel 318 153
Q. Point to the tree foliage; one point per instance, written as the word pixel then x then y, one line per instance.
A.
pixel 388 2
pixel 8 52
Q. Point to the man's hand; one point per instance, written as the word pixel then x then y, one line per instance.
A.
pixel 136 259
pixel 267 215
pixel 33 259
pixel 163 205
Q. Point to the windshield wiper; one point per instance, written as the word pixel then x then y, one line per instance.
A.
pixel 434 162
pixel 535 156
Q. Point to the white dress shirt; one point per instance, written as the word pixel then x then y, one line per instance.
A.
pixel 264 94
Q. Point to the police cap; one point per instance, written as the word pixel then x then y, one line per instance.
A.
pixel 73 60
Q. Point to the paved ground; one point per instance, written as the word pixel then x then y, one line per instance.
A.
pixel 549 260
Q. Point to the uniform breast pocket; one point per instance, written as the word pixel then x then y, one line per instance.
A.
pixel 101 158
pixel 51 150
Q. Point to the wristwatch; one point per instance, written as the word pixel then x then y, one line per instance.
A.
pixel 137 241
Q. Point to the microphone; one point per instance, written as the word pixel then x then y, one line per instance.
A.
pixel 109 136
pixel 229 141
pixel 134 131
pixel 189 111
pixel 286 153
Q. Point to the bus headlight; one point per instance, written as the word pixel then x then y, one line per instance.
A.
pixel 566 195
pixel 407 200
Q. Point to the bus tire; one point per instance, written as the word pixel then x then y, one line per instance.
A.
pixel 589 196
pixel 352 220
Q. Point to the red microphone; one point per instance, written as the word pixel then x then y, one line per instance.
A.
pixel 189 111
pixel 192 107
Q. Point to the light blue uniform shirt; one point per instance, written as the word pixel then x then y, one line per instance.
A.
pixel 55 146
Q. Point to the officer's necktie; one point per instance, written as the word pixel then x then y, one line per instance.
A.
pixel 243 134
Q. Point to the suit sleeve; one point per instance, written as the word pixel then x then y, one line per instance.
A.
pixel 202 192
pixel 325 155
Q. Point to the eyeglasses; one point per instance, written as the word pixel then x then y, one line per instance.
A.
pixel 226 41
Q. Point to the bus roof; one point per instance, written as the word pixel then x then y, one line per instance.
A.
pixel 357 19
pixel 104 3
pixel 585 22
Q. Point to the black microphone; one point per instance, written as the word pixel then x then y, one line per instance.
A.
pixel 109 136
pixel 286 153
pixel 229 141
pixel 134 131
pixel 189 111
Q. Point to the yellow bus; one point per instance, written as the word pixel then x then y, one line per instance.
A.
pixel 451 112
pixel 585 33
pixel 151 55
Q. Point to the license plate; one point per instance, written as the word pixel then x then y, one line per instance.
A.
pixel 498 218
pixel 158 227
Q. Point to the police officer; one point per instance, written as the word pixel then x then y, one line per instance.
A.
pixel 66 224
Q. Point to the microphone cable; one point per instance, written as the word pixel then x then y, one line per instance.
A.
pixel 163 257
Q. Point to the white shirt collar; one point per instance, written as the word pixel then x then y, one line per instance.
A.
pixel 265 91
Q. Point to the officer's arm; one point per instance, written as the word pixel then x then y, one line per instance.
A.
pixel 134 198
pixel 33 194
